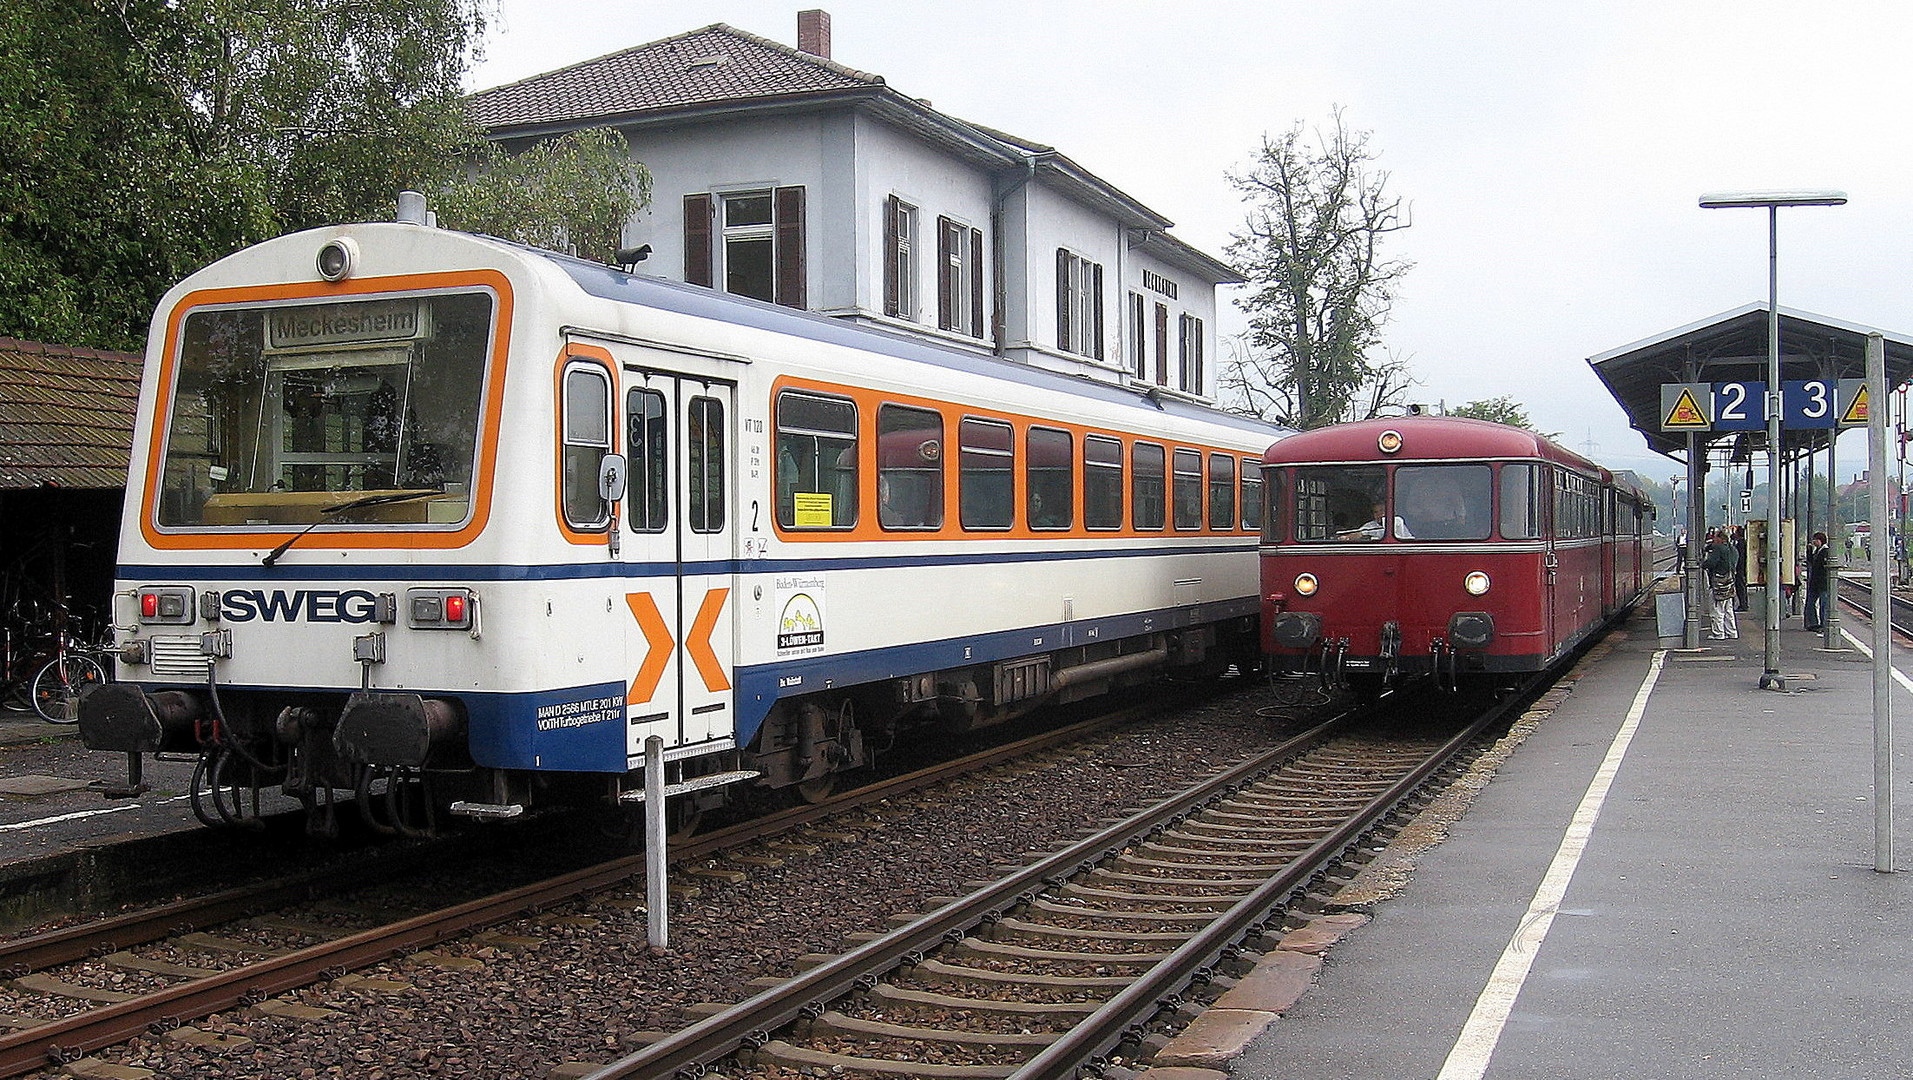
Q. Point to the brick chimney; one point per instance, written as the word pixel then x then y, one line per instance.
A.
pixel 813 32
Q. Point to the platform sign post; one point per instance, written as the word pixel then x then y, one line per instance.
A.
pixel 1881 550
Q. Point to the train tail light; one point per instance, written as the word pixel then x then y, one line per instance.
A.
pixel 440 609
pixel 166 605
pixel 1476 583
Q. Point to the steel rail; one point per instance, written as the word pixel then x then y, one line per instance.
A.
pixel 60 1041
pixel 751 1020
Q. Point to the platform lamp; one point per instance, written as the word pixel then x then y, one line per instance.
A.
pixel 1773 200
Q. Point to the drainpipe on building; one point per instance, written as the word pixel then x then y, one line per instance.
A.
pixel 999 284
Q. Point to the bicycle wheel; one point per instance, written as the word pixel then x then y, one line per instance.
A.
pixel 60 682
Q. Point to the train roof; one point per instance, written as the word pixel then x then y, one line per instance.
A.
pixel 1423 438
pixel 613 284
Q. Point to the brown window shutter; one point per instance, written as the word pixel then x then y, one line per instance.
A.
pixel 788 218
pixel 892 298
pixel 946 274
pixel 1096 311
pixel 697 239
pixel 1062 299
pixel 976 283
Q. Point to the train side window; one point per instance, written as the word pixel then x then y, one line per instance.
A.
pixel 1147 463
pixel 1520 505
pixel 704 430
pixel 648 438
pixel 986 474
pixel 1188 488
pixel 587 439
pixel 1340 502
pixel 909 468
pixel 1102 482
pixel 1251 496
pixel 1051 482
pixel 1221 492
pixel 1445 502
pixel 1273 485
pixel 816 461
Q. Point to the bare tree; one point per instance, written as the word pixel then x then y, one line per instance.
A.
pixel 1320 288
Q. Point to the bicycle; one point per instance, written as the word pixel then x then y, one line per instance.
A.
pixel 48 671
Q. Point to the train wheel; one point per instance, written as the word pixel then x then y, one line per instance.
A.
pixel 816 791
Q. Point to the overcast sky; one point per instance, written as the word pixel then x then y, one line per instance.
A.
pixel 1551 154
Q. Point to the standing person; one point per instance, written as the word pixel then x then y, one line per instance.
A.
pixel 1818 582
pixel 1719 564
pixel 1740 567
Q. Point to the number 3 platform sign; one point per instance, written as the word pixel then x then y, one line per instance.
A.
pixel 1742 406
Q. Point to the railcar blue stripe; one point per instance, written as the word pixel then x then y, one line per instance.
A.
pixel 578 571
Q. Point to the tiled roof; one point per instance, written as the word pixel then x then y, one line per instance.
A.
pixel 66 415
pixel 716 64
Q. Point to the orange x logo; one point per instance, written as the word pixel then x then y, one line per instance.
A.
pixel 659 643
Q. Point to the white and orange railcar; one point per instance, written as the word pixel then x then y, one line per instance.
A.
pixel 414 511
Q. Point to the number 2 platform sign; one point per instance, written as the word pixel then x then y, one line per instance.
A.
pixel 1742 406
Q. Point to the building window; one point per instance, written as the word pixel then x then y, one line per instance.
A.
pixel 1189 353
pixel 959 278
pixel 752 241
pixel 1079 304
pixel 1102 482
pixel 899 259
pixel 1138 343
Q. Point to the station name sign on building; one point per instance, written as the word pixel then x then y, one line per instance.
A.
pixel 1742 406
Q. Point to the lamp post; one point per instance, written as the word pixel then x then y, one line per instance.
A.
pixel 1773 201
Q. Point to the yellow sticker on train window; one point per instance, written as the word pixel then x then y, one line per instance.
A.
pixel 812 509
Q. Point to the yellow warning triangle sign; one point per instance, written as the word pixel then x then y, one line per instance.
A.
pixel 1685 413
pixel 1857 411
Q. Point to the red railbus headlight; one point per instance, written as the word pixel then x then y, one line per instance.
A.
pixel 1476 583
pixel 1306 584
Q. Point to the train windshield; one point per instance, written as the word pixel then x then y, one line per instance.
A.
pixel 1445 502
pixel 1340 502
pixel 281 414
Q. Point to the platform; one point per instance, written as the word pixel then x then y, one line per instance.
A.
pixel 1723 920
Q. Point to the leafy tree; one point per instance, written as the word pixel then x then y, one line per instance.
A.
pixel 1320 287
pixel 142 139
pixel 1501 410
pixel 572 193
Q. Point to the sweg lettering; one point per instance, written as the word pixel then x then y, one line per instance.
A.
pixel 303 605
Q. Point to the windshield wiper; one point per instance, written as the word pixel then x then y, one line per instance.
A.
pixel 340 508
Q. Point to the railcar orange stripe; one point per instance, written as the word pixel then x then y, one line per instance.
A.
pixel 698 642
pixel 658 645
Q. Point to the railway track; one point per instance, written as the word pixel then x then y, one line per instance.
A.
pixel 1858 595
pixel 1065 960
pixel 189 959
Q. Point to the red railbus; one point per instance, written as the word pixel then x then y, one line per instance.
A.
pixel 1440 545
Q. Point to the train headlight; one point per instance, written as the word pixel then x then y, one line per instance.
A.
pixel 1305 584
pixel 1390 442
pixel 337 258
pixel 1476 583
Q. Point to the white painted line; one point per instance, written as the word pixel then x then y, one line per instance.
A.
pixel 1469 1058
pixel 1904 682
pixel 75 816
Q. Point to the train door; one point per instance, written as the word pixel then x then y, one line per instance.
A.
pixel 1552 481
pixel 678 427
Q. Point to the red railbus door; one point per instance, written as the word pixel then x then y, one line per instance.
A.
pixel 1553 482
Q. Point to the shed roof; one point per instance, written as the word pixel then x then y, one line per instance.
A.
pixel 1732 347
pixel 66 415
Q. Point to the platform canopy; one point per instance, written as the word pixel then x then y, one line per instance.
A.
pixel 1732 347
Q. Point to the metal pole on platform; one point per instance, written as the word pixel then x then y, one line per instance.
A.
pixel 1696 515
pixel 1836 549
pixel 1882 551
pixel 1770 678
pixel 657 895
